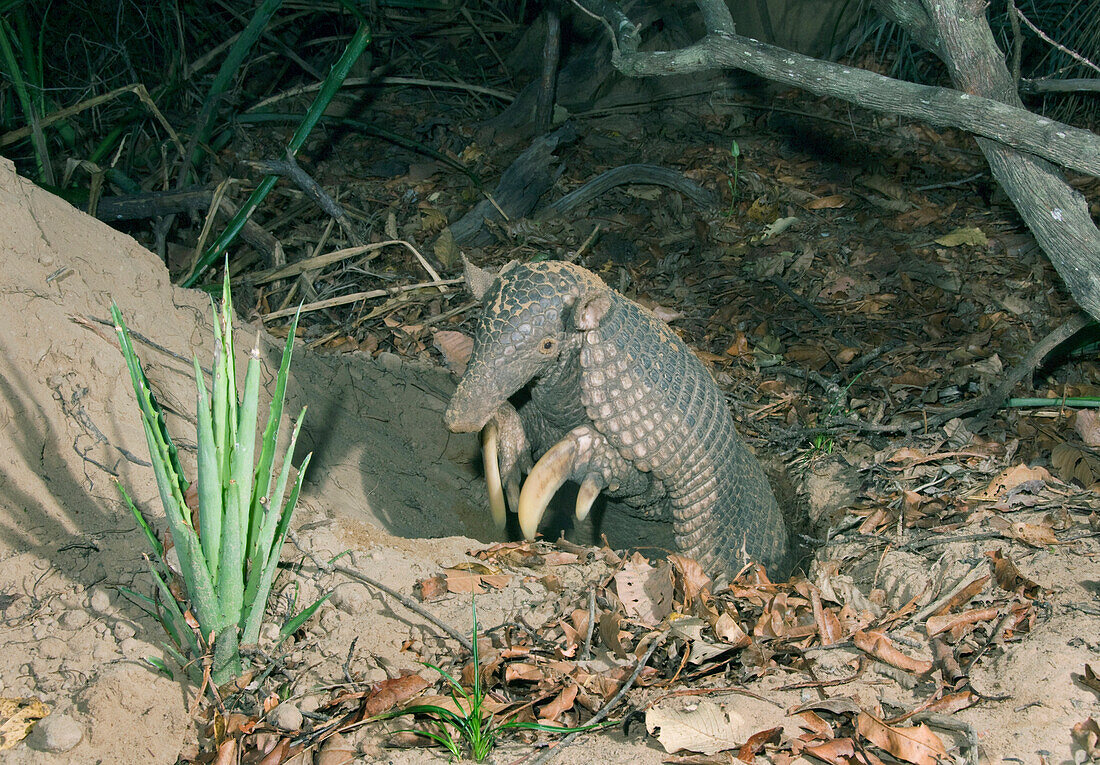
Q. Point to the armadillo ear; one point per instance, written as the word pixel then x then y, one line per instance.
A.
pixel 478 280
pixel 590 309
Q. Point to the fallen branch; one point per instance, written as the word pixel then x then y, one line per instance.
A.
pixel 1014 126
pixel 986 105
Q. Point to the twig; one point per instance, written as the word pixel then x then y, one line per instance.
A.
pixel 952 184
pixel 1075 56
pixel 406 602
pixel 604 711
pixel 995 398
pixel 825 321
pixel 355 297
pixel 289 168
pixel 355 82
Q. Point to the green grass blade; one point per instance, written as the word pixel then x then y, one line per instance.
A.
pixel 211 510
pixel 267 575
pixel 332 83
pixel 244 451
pixel 26 103
pixel 220 401
pixel 292 625
pixel 275 498
pixel 231 568
pixel 229 360
pixel 271 432
pixel 258 585
pixel 143 524
pixel 226 75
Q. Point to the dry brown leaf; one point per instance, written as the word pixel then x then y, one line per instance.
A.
pixel 937 624
pixel 387 694
pixel 609 632
pixel 1075 464
pixel 563 702
pixel 918 745
pixel 961 236
pixel 729 631
pixel 17 717
pixel 952 702
pixel 1087 425
pixel 1009 577
pixel 831 202
pixel 756 743
pixel 432 588
pixel 810 356
pixel 1089 679
pixel 815 723
pixel 884 185
pixel 496 581
pixel 707 728
pixel 828 626
pixel 522 671
pixel 692 579
pixel 740 347
pixel 1013 476
pixel 1087 735
pixel 463 581
pixel 963 596
pixel 645 591
pixel 839 751
pixel 879 646
pixel 560 558
pixel 455 348
pixel 1033 534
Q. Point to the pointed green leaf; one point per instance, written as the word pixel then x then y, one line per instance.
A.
pixel 211 510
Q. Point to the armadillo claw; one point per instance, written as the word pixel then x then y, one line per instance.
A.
pixel 550 472
pixel 590 489
pixel 490 439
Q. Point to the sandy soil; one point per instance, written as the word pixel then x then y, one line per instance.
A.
pixel 384 472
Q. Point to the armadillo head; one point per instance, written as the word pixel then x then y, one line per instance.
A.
pixel 529 317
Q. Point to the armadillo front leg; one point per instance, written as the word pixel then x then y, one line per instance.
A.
pixel 584 456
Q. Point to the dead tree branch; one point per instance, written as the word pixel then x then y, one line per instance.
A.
pixel 1055 213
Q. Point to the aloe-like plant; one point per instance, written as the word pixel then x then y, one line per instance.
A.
pixel 471 723
pixel 229 561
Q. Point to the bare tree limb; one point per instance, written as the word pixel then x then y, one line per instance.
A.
pixel 1057 215
pixel 1014 126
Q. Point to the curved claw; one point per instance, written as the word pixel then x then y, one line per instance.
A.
pixel 590 489
pixel 550 472
pixel 490 440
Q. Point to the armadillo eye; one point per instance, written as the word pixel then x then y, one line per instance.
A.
pixel 546 346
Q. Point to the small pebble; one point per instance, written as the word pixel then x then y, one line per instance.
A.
pixel 123 630
pixel 310 703
pixel 352 599
pixel 74 619
pixel 52 648
pixel 269 633
pixel 286 717
pixel 105 651
pixel 56 733
pixel 100 601
pixel 391 362
pixel 330 620
pixel 132 646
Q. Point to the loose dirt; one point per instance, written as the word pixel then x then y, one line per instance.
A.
pixel 385 474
